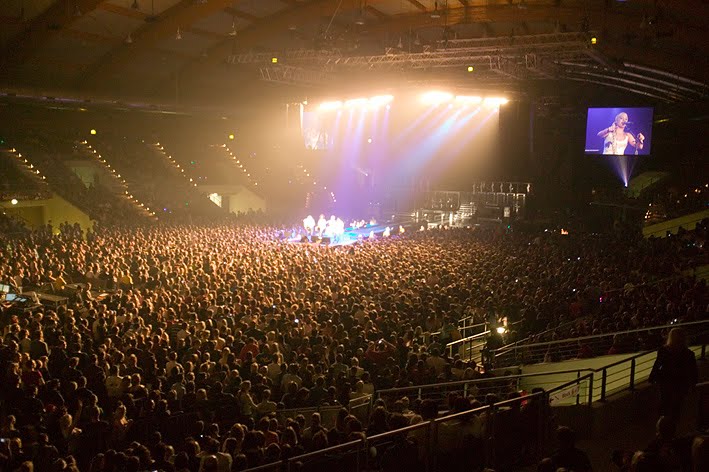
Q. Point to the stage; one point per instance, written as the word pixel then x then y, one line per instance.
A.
pixel 352 234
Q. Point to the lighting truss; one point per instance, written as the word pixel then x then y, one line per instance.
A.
pixel 293 75
pixel 504 59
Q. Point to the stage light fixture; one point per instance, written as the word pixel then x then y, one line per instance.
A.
pixel 355 102
pixel 594 40
pixel 93 132
pixel 325 106
pixel 381 100
pixel 471 68
pixel 495 101
pixel 274 60
pixel 231 137
pixel 436 98
pixel 14 201
pixel 468 99
pixel 369 140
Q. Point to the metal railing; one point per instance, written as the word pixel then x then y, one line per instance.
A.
pixel 468 347
pixel 622 342
pixel 484 437
pixel 499 435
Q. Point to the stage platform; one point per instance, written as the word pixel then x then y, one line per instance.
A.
pixel 353 235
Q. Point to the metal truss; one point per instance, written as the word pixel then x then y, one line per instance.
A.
pixel 513 58
pixel 293 75
pixel 449 53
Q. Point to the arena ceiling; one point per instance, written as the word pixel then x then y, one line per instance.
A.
pixel 212 49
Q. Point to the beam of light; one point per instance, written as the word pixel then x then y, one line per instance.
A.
pixel 380 100
pixel 623 167
pixel 355 102
pixel 427 149
pixel 436 97
pixel 328 106
pixel 467 100
pixel 472 133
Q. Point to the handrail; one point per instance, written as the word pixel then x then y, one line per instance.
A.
pixel 361 445
pixel 405 429
pixel 469 338
pixel 388 391
pixel 596 336
pixel 326 450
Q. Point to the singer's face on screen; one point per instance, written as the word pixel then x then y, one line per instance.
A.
pixel 621 120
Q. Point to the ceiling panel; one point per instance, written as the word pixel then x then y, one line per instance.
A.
pixel 221 22
pixel 32 8
pixel 261 8
pixel 190 44
pixel 104 23
pixel 146 6
pixel 73 50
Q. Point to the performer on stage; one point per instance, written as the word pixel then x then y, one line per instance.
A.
pixel 322 225
pixel 616 138
pixel 309 225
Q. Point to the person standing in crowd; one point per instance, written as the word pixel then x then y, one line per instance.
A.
pixel 675 372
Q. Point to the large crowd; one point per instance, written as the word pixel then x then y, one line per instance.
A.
pixel 179 344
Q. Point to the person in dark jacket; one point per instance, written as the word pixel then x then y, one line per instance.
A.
pixel 675 372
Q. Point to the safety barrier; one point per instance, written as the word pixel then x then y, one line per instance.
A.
pixel 505 435
pixel 622 342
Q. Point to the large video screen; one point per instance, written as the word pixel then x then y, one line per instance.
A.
pixel 619 131
pixel 316 133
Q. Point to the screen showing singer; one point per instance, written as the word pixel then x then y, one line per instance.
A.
pixel 619 131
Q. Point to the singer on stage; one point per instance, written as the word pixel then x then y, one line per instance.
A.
pixel 616 138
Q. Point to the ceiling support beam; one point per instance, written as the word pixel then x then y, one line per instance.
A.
pixel 418 4
pixel 38 31
pixel 240 14
pixel 180 16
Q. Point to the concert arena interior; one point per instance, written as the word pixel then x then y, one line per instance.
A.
pixel 354 235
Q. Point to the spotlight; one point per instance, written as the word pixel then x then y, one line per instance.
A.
pixel 467 99
pixel 381 100
pixel 355 101
pixel 274 60
pixel 330 105
pixel 93 132
pixel 369 140
pixel 501 330
pixel 14 201
pixel 495 101
pixel 436 98
pixel 594 40
pixel 471 68
pixel 231 137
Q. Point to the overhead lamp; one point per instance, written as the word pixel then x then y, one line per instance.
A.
pixel 360 18
pixel 435 13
